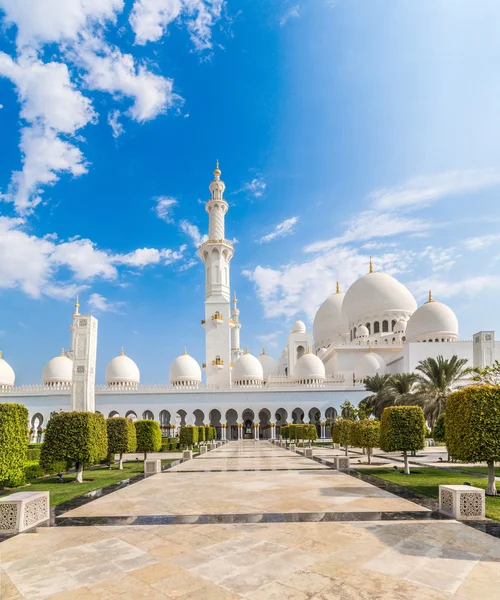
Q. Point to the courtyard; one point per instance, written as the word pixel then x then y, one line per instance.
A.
pixel 251 520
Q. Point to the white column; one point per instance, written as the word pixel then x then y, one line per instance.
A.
pixel 323 430
pixel 83 351
pixel 223 431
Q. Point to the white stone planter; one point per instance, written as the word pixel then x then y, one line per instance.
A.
pixel 23 510
pixel 152 466
pixel 308 452
pixel 462 502
pixel 187 455
pixel 292 447
pixel 203 450
pixel 342 462
pixel 336 446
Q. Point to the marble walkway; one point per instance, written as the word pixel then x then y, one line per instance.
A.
pixel 249 514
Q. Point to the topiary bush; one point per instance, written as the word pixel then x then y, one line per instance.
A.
pixel 188 435
pixel 122 437
pixel 473 427
pixel 439 429
pixel 309 432
pixel 78 437
pixel 148 434
pixel 201 433
pixel 13 444
pixel 33 453
pixel 366 434
pixel 402 429
pixel 341 432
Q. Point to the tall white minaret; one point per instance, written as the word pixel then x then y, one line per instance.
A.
pixel 83 352
pixel 216 253
pixel 236 351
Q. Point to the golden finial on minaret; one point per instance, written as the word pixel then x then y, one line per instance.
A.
pixel 337 289
pixel 217 172
pixel 122 353
pixel 77 306
pixel 235 300
pixel 430 297
pixel 1 354
pixel 371 265
pixel 263 351
pixel 62 352
pixel 246 350
pixel 185 351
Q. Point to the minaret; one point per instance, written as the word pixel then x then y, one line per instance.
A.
pixel 236 351
pixel 216 253
pixel 83 352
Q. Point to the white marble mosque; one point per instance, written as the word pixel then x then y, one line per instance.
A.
pixel 373 327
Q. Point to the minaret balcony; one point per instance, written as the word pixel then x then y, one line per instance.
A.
pixel 203 322
pixel 217 318
pixel 218 363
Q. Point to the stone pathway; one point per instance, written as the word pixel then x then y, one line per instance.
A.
pixel 249 514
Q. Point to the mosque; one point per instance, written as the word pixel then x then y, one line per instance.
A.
pixel 373 327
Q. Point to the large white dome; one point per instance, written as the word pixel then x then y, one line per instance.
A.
pixel 7 375
pixel 299 327
pixel 58 370
pixel 269 365
pixel 432 321
pixel 247 368
pixel 328 326
pixel 369 364
pixel 376 294
pixel 309 367
pixel 122 370
pixel 185 370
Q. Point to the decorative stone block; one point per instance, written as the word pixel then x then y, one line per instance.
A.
pixel 292 447
pixel 23 510
pixel 152 466
pixel 308 452
pixel 203 449
pixel 342 462
pixel 187 455
pixel 462 502
pixel 336 446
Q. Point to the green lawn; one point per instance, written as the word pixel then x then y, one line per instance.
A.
pixel 483 470
pixel 426 481
pixel 93 479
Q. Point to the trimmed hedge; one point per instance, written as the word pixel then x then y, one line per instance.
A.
pixel 170 444
pixel 439 429
pixel 402 429
pixel 148 435
pixel 33 453
pixel 188 435
pixel 78 437
pixel 201 433
pixel 473 427
pixel 13 444
pixel 341 432
pixel 210 433
pixel 366 434
pixel 122 436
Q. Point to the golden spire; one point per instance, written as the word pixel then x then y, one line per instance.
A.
pixel 430 297
pixel 1 354
pixel 337 290
pixel 217 170
pixel 235 300
pixel 122 353
pixel 62 352
pixel 185 351
pixel 246 350
pixel 371 265
pixel 263 351
pixel 77 305
pixel 308 350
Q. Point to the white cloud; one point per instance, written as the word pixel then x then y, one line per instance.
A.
pixel 256 187
pixel 481 242
pixel 441 258
pixel 283 229
pixel 193 232
pixel 442 289
pixel 292 13
pixel 115 125
pixel 424 190
pixel 101 304
pixel 269 339
pixel 188 265
pixel 163 207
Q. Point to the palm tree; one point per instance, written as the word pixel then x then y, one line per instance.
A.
pixel 401 387
pixel 435 382
pixel 380 396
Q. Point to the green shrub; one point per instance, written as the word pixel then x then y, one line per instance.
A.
pixel 309 432
pixel 210 433
pixel 366 434
pixel 148 435
pixel 201 434
pixel 33 471
pixel 33 453
pixel 439 429
pixel 473 427
pixel 341 432
pixel 13 444
pixel 78 437
pixel 402 429
pixel 121 437
pixel 188 435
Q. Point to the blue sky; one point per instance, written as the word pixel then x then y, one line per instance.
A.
pixel 344 129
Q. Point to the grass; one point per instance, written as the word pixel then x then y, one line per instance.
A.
pixel 93 479
pixel 483 470
pixel 426 481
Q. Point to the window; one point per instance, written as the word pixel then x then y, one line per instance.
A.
pixel 393 324
pixel 376 327
pixel 369 327
pixel 385 326
pixel 354 332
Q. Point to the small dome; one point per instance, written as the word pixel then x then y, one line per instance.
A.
pixel 432 321
pixel 7 375
pixel 369 364
pixel 375 294
pixel 122 370
pixel 400 327
pixel 269 365
pixel 185 370
pixel 309 366
pixel 328 326
pixel 362 332
pixel 58 370
pixel 299 327
pixel 247 368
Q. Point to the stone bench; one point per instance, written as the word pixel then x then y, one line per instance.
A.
pixel 462 502
pixel 152 466
pixel 187 455
pixel 342 462
pixel 23 510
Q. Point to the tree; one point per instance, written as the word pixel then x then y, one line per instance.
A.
pixel 121 437
pixel 366 434
pixel 436 379
pixel 348 411
pixel 402 429
pixel 439 429
pixel 148 436
pixel 341 432
pixel 401 387
pixel 473 427
pixel 75 437
pixel 13 443
pixel 188 436
pixel 378 385
pixel 490 374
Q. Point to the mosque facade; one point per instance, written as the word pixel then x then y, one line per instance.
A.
pixel 373 327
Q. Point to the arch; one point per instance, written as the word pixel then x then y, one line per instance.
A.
pixel 215 421
pixel 393 324
pixel 37 420
pixel 265 423
pixel 297 416
pixel 209 276
pixel 300 351
pixel 354 333
pixel 181 415
pixel 331 414
pixel 131 415
pixel 376 327
pixel 369 327
pixel 248 417
pixel 199 417
pixel 385 326
pixel 164 417
pixel 314 416
pixel 280 417
pixel 148 415
pixel 113 414
pixel 232 424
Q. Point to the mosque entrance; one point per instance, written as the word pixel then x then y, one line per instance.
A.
pixel 248 429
